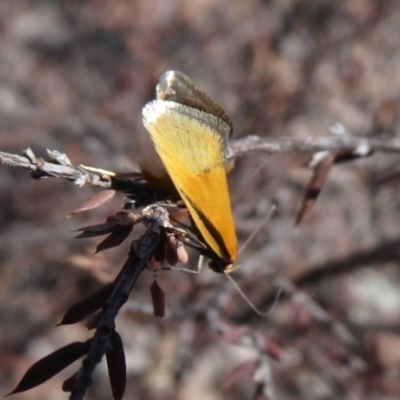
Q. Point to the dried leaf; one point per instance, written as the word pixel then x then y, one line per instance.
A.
pixel 51 365
pixel 170 250
pixel 87 235
pixel 158 299
pixel 98 229
pixel 116 366
pixel 115 239
pixel 320 174
pixel 103 227
pixel 93 202
pixel 126 218
pixel 181 252
pixel 87 306
pixel 68 384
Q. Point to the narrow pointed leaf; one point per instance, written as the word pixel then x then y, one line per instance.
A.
pixel 103 227
pixel 181 252
pixel 318 179
pixel 51 365
pixel 68 384
pixel 126 218
pixel 116 366
pixel 87 306
pixel 158 299
pixel 87 235
pixel 93 202
pixel 115 239
pixel 171 254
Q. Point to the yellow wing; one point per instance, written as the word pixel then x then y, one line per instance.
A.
pixel 191 145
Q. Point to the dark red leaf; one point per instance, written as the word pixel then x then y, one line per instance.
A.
pixel 68 384
pixel 171 254
pixel 104 226
pixel 115 239
pixel 116 366
pixel 181 252
pixel 158 299
pixel 98 229
pixel 318 179
pixel 127 218
pixel 87 306
pixel 93 202
pixel 87 235
pixel 51 365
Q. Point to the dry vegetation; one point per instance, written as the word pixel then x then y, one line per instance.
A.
pixel 74 76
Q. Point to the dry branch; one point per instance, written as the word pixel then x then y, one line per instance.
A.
pixel 59 166
pixel 156 218
pixel 357 145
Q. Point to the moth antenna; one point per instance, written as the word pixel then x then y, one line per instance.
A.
pixel 256 171
pixel 249 302
pixel 254 233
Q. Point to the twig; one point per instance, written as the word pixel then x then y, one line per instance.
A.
pixel 359 146
pixel 59 166
pixel 156 218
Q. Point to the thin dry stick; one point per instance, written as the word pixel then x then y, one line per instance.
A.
pixel 358 146
pixel 59 166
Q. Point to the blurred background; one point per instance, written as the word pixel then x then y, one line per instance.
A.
pixel 74 76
